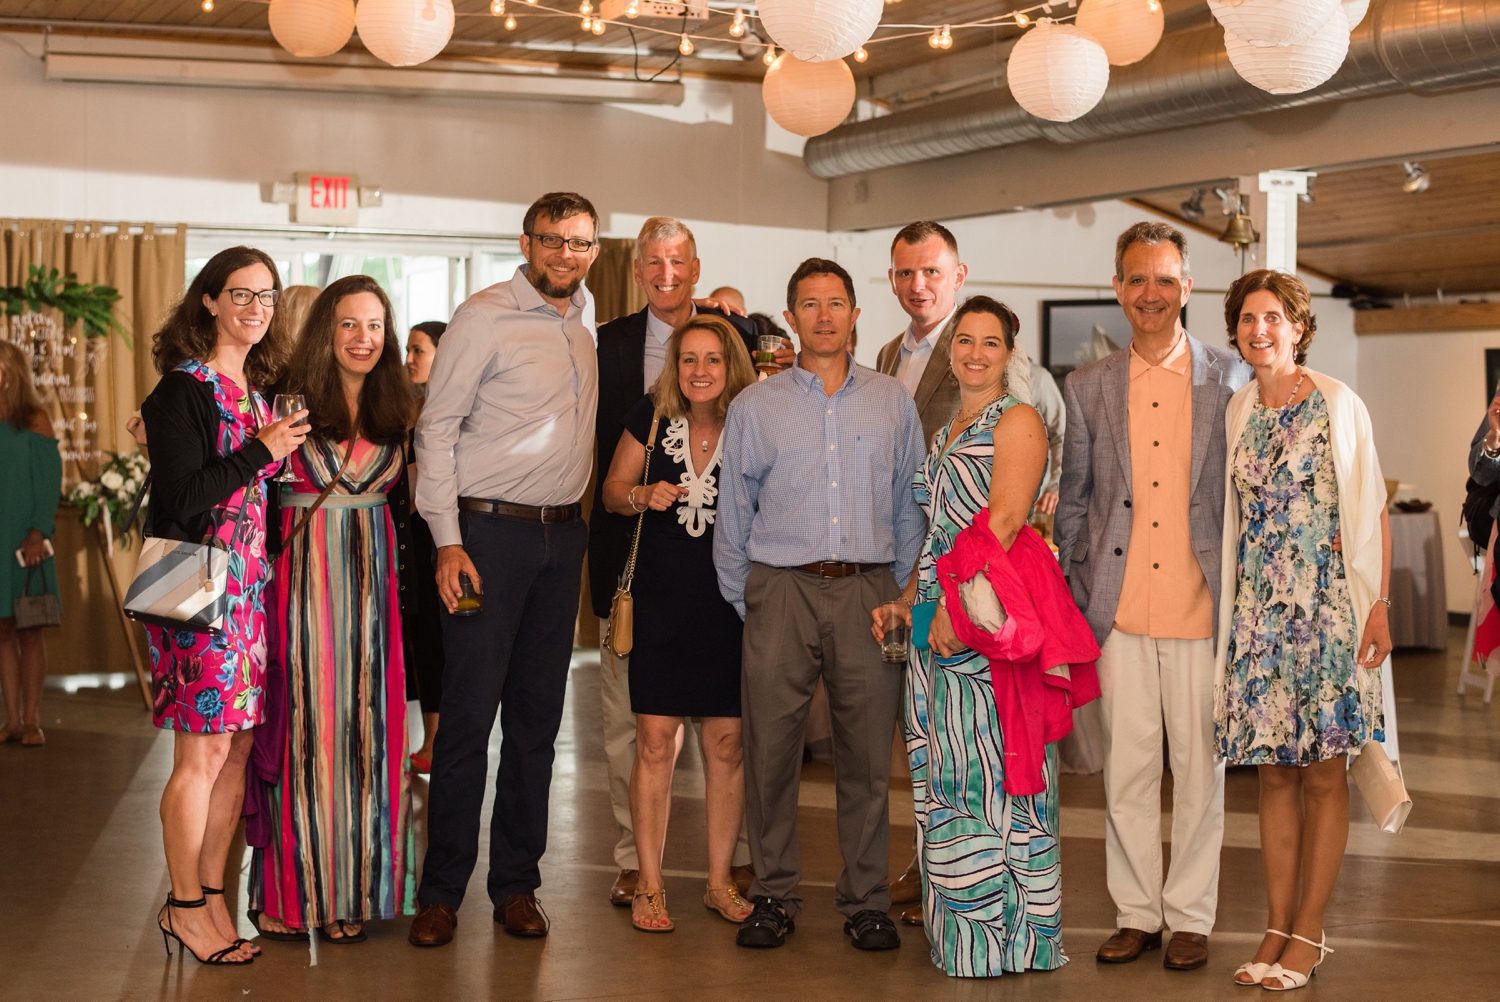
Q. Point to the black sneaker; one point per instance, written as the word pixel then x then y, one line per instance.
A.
pixel 872 930
pixel 767 926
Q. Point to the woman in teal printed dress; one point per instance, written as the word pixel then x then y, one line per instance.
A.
pixel 991 871
pixel 212 448
pixel 1303 630
pixel 28 502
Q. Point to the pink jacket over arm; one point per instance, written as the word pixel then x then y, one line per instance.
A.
pixel 1041 659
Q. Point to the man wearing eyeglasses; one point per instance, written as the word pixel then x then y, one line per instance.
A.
pixel 505 444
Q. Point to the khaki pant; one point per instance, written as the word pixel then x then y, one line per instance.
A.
pixel 1154 688
pixel 619 749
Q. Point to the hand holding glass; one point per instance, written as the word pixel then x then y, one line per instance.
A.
pixel 285 406
pixel 765 353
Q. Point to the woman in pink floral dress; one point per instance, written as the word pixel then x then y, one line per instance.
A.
pixel 212 448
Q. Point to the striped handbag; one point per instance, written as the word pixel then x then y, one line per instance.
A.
pixel 180 585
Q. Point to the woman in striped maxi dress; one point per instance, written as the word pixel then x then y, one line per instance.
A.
pixel 342 842
pixel 991 871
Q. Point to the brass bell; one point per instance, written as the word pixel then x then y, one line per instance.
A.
pixel 1241 229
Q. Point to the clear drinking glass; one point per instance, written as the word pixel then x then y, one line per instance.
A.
pixel 893 648
pixel 469 601
pixel 765 353
pixel 285 405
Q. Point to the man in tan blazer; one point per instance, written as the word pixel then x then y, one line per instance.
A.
pixel 926 275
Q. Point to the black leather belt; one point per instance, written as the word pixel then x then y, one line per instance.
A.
pixel 546 514
pixel 836 569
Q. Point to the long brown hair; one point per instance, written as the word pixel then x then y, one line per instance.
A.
pixel 386 407
pixel 19 401
pixel 191 332
pixel 739 371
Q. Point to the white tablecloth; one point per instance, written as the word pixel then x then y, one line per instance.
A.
pixel 1419 596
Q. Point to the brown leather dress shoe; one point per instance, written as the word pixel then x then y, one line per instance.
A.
pixel 433 926
pixel 623 891
pixel 523 916
pixel 1128 944
pixel 742 877
pixel 910 914
pixel 1187 951
pixel 908 886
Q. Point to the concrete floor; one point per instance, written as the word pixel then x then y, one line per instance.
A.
pixel 1416 916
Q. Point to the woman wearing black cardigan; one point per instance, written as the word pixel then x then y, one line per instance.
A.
pixel 212 448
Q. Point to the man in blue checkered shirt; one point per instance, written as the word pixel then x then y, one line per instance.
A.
pixel 816 525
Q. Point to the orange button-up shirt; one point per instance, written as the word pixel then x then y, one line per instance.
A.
pixel 1164 594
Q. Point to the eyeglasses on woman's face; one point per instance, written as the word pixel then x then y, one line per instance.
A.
pixel 242 297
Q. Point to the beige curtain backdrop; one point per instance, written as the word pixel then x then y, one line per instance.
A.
pixel 612 283
pixel 108 379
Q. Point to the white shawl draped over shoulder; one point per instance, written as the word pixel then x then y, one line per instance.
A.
pixel 1361 501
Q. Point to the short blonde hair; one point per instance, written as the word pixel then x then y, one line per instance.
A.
pixel 664 228
pixel 740 371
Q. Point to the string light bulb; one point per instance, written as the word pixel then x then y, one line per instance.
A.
pixel 941 38
pixel 770 56
pixel 1022 20
pixel 598 28
pixel 510 22
pixel 686 45
pixel 860 55
pixel 531 2
pixel 587 24
pixel 585 8
pixel 208 5
pixel 497 7
pixel 1153 5
pixel 737 26
pixel 633 9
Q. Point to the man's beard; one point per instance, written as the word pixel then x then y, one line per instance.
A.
pixel 545 287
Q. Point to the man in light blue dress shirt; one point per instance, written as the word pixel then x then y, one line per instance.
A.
pixel 816 526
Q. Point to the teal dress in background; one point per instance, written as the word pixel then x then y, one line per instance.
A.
pixel 30 491
pixel 991 863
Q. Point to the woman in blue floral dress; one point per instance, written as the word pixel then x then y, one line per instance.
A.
pixel 1303 630
pixel 212 448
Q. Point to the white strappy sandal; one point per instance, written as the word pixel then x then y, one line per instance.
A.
pixel 1257 971
pixel 1287 980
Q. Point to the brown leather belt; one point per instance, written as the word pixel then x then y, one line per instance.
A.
pixel 836 569
pixel 546 514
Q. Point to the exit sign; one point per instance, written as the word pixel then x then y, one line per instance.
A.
pixel 326 198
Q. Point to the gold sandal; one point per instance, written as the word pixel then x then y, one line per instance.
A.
pixel 657 900
pixel 734 898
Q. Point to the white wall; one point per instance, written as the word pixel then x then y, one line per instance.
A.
pixel 1426 396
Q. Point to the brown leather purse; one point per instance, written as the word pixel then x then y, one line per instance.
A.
pixel 620 637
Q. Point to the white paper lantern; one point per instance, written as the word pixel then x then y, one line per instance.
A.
pixel 817 31
pixel 1057 71
pixel 309 28
pixel 808 98
pixel 1273 22
pixel 1292 69
pixel 1355 11
pixel 405 32
pixel 1128 29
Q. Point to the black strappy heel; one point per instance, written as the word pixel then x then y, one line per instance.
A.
pixel 241 941
pixel 216 959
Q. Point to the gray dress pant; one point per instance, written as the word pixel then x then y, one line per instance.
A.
pixel 799 627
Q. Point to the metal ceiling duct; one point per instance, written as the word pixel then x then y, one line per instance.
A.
pixel 1400 45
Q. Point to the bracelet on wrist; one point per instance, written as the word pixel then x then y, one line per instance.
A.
pixel 633 506
pixel 1487 452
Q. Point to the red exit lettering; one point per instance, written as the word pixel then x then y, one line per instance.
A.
pixel 328 192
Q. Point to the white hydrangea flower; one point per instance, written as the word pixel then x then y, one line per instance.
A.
pixel 111 480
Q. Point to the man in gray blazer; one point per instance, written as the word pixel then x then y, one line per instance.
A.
pixel 926 275
pixel 1138 531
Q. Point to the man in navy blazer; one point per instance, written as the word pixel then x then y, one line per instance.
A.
pixel 1139 530
pixel 632 352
